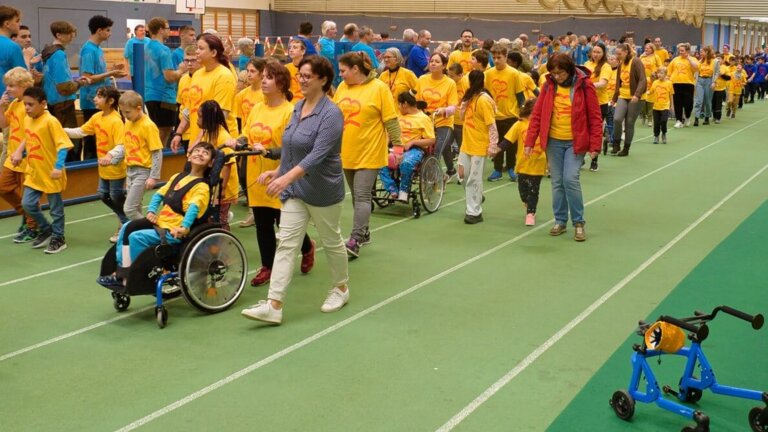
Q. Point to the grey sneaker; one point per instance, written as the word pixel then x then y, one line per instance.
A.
pixel 25 236
pixel 56 245
pixel 43 238
pixel 473 219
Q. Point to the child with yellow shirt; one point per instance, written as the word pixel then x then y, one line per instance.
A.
pixel 661 94
pixel 721 83
pixel 12 115
pixel 107 126
pixel 142 150
pixel 735 88
pixel 183 93
pixel 46 147
pixel 174 208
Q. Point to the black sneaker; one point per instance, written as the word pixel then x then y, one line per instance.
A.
pixel 706 121
pixel 110 281
pixel 593 165
pixel 471 220
pixel 25 236
pixel 56 245
pixel 43 238
pixel 696 122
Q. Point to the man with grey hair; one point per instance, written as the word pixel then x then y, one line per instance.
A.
pixel 410 35
pixel 367 36
pixel 246 47
pixel 326 43
pixel 418 58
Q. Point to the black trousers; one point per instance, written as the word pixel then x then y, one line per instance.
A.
pixel 503 126
pixel 267 218
pixel 660 118
pixel 718 98
pixel 683 101
pixel 528 187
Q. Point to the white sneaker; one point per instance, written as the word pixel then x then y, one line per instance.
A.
pixel 687 122
pixel 115 237
pixel 249 221
pixel 402 196
pixel 336 300
pixel 678 125
pixel 263 311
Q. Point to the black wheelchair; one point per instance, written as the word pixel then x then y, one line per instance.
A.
pixel 427 186
pixel 208 268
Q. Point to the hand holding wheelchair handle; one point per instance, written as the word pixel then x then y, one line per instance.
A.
pixel 701 332
pixel 756 321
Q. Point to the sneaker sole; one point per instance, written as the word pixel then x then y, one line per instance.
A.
pixel 332 310
pixel 50 252
pixel 22 241
pixel 555 234
pixel 42 245
pixel 253 318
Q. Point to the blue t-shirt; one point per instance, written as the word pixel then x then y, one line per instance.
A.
pixel 418 59
pixel 56 71
pixel 580 54
pixel 327 48
pixel 92 62
pixel 128 51
pixel 310 47
pixel 761 70
pixel 10 57
pixel 178 57
pixel 157 58
pixel 242 62
pixel 368 50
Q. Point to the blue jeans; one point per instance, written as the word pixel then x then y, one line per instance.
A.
pixel 112 193
pixel 411 158
pixel 702 105
pixel 609 124
pixel 31 204
pixel 564 167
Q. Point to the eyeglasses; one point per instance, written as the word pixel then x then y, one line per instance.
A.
pixel 190 60
pixel 304 77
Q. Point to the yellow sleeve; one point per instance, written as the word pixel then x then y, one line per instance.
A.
pixel 152 137
pixel 513 133
pixel 88 127
pixel 517 84
pixel 388 111
pixel 60 138
pixel 453 94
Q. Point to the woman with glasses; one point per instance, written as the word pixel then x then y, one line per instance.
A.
pixel 397 77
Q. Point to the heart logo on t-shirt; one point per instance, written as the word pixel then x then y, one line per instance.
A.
pixel 195 98
pixel 15 125
pixel 350 108
pixel 132 144
pixel 260 133
pixel 34 145
pixel 102 141
pixel 499 88
pixel 432 97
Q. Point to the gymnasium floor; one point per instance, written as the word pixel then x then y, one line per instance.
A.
pixel 493 327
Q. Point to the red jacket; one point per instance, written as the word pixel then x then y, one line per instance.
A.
pixel 586 120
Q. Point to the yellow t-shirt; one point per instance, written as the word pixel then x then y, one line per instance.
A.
pixel 528 86
pixel 401 80
pixel 365 108
pixel 624 92
pixel 200 194
pixel 720 83
pixel 416 126
pixel 650 64
pixel 295 86
pixel 706 69
pixel 504 85
pixel 661 93
pixel 437 94
pixel 218 85
pixel 464 58
pixel 232 188
pixel 44 138
pixel 611 87
pixel 603 96
pixel 680 71
pixel 536 163
pixel 140 139
pixel 561 127
pixel 245 100
pixel 15 115
pixel 108 131
pixel 478 117
pixel 662 54
pixel 461 87
pixel 182 98
pixel 736 86
pixel 265 126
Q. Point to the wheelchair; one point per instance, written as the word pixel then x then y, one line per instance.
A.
pixel 208 268
pixel 427 186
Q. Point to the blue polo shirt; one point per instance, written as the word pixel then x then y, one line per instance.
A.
pixel 157 58
pixel 92 62
pixel 10 57
pixel 418 59
pixel 368 50
pixel 56 71
pixel 128 51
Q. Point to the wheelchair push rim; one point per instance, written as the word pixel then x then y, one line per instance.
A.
pixel 213 271
pixel 431 185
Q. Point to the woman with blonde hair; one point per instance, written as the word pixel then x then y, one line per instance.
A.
pixel 709 68
pixel 651 64
pixel 681 71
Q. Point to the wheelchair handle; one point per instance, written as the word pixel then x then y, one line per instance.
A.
pixel 701 332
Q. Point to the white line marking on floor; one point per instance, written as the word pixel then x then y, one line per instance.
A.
pixel 535 354
pixel 278 355
pixel 45 273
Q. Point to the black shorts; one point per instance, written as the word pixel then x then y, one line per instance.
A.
pixel 162 114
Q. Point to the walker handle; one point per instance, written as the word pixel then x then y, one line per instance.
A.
pixel 701 331
pixel 757 321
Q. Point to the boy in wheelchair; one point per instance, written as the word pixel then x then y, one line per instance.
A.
pixel 418 134
pixel 173 210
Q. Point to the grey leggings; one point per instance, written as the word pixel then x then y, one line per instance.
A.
pixel 361 183
pixel 625 110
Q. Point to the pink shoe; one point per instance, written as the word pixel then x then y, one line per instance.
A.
pixel 530 219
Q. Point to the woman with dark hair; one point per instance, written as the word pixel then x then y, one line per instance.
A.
pixel 566 120
pixel 213 81
pixel 630 87
pixel 681 71
pixel 709 68
pixel 310 185
pixel 369 118
pixel 600 75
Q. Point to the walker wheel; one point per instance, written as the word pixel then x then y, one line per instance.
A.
pixel 120 301
pixel 161 313
pixel 758 419
pixel 623 404
pixel 692 395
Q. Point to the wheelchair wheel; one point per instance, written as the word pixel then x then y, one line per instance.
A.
pixel 758 419
pixel 213 270
pixel 120 301
pixel 161 313
pixel 623 404
pixel 379 195
pixel 431 186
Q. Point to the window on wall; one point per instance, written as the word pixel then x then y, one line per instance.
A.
pixel 235 23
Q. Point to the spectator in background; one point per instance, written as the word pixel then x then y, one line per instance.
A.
pixel 160 78
pixel 138 37
pixel 246 48
pixel 31 56
pixel 327 41
pixel 463 55
pixel 10 53
pixel 188 37
pixel 418 58
pixel 305 33
pixel 366 36
pixel 410 35
pixel 384 37
pixel 350 33
pixel 581 51
pixel 93 66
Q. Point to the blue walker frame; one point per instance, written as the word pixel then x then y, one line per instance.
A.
pixel 690 387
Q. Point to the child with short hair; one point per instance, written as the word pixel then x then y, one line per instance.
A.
pixel 418 134
pixel 107 127
pixel 46 146
pixel 661 94
pixel 531 168
pixel 296 51
pixel 213 129
pixel 12 115
pixel 735 88
pixel 182 94
pixel 142 150
pixel 174 209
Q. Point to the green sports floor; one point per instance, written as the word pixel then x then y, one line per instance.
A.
pixel 491 327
